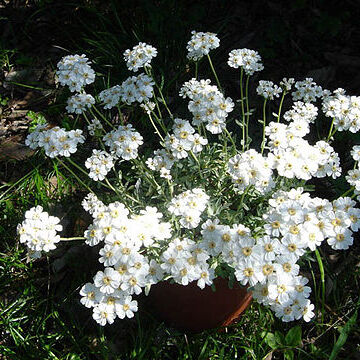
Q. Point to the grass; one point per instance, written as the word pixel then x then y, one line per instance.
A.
pixel 40 314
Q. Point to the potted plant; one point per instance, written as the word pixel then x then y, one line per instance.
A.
pixel 206 205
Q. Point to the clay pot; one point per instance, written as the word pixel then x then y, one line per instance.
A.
pixel 191 309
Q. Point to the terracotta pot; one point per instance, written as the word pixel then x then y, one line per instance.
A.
pixel 189 308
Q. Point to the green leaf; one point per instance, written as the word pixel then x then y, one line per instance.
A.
pixel 270 340
pixel 280 338
pixel 293 337
pixel 344 333
pixel 289 355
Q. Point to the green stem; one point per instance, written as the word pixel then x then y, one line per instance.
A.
pixel 214 72
pixel 121 195
pixel 76 177
pixel 72 238
pixel 281 104
pixel 102 116
pixel 149 72
pixel 197 161
pixel 247 108
pixel 331 129
pixel 77 166
pixel 111 187
pixel 171 188
pixel 157 105
pixel 196 69
pixel 322 277
pixel 348 191
pixel 154 126
pixel 230 137
pixel 242 108
pixel 264 125
pixel 242 198
pixel 160 122
pixel 121 115
pixel 150 179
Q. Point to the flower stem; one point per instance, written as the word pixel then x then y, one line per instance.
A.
pixel 281 104
pixel 247 108
pixel 331 129
pixel 76 177
pixel 322 277
pixel 214 72
pixel 264 125
pixel 242 108
pixel 156 129
pixel 150 73
pixel 160 122
pixel 230 137
pixel 102 116
pixel 72 238
pixel 197 161
pixel 347 191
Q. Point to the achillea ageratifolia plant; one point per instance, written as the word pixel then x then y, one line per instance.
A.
pixel 205 204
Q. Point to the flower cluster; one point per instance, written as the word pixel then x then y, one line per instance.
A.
pixel 183 140
pixel 200 44
pixel 135 88
pixel 92 204
pixel 99 164
pixel 94 125
pixel 251 168
pixel 162 161
pixel 287 83
pixel 268 89
pixel 75 72
pixel 345 110
pixel 186 261
pixel 55 141
pixel 110 97
pixel 79 103
pixel 293 155
pixel 189 205
pixel 248 60
pixel 294 223
pixel 308 91
pixel 140 56
pixel 207 104
pixel 127 271
pixel 39 231
pixel 300 112
pixel 123 142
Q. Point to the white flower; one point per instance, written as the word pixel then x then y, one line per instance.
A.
pixel 107 281
pixel 74 71
pixel 200 44
pixel 39 230
pixel 90 295
pixel 268 89
pixel 78 103
pixel 103 315
pixel 247 59
pixel 140 56
pixel 126 307
pixel 207 276
pixel 99 164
